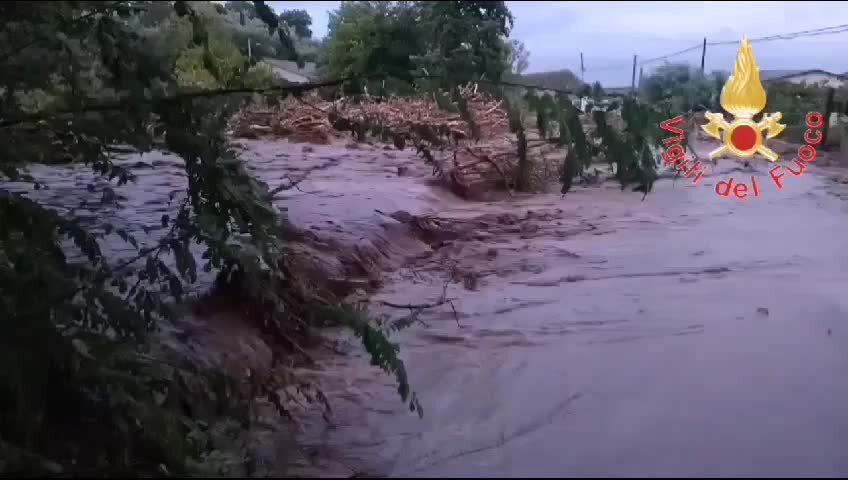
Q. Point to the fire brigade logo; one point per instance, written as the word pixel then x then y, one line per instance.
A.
pixel 743 96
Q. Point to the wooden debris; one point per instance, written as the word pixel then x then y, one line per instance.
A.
pixel 468 168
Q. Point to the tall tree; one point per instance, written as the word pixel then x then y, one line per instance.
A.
pixel 372 38
pixel 597 90
pixel 460 40
pixel 466 39
pixel 248 9
pixel 299 21
pixel 79 390
pixel 519 57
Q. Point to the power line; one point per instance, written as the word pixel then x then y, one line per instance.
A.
pixel 791 36
pixel 833 30
pixel 120 105
pixel 669 55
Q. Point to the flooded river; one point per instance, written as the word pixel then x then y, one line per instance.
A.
pixel 684 335
pixel 592 334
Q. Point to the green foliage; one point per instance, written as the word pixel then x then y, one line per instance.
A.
pixel 384 354
pixel 546 110
pixel 560 113
pixel 246 8
pixel 228 39
pixel 795 101
pixel 560 80
pixel 299 21
pixel 519 57
pixel 460 40
pixel 156 13
pixel 75 354
pixel 572 136
pixel 679 88
pixel 682 88
pixel 570 116
pixel 633 152
pixel 82 390
pixel 466 39
pixel 371 38
pixel 255 33
pixel 516 126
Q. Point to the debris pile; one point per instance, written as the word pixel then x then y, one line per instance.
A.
pixel 468 166
pixel 472 171
pixel 306 119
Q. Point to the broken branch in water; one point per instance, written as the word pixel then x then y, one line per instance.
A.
pixel 416 309
pixel 292 184
pixel 419 306
pixel 487 159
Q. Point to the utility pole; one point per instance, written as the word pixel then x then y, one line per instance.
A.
pixel 633 77
pixel 582 68
pixel 828 111
pixel 703 55
pixel 249 54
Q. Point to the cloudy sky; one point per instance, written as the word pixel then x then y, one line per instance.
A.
pixel 610 33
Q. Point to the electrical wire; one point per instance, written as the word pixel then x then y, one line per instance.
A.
pixel 790 36
pixel 833 30
pixel 669 55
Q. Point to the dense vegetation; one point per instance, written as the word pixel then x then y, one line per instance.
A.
pixel 682 88
pixel 82 389
pixel 460 40
pixel 559 79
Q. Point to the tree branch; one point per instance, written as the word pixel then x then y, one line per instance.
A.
pixel 415 309
pixel 298 88
pixel 20 48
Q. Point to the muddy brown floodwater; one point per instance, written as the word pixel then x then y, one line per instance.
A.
pixel 684 335
pixel 592 335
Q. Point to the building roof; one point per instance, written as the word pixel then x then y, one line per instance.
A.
pixel 766 75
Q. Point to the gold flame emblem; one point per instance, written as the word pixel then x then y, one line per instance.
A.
pixel 743 96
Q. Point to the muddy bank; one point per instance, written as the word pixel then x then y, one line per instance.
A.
pixel 688 334
pixel 348 258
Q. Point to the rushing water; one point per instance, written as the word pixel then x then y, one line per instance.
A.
pixel 594 334
pixel 684 335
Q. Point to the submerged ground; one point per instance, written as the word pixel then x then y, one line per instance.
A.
pixel 593 334
pixel 688 334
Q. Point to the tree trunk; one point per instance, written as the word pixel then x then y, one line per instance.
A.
pixel 569 168
pixel 523 162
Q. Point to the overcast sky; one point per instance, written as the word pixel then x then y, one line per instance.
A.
pixel 610 33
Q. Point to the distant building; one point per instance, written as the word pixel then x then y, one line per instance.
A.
pixel 290 72
pixel 821 78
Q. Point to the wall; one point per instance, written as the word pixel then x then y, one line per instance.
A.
pixel 817 78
